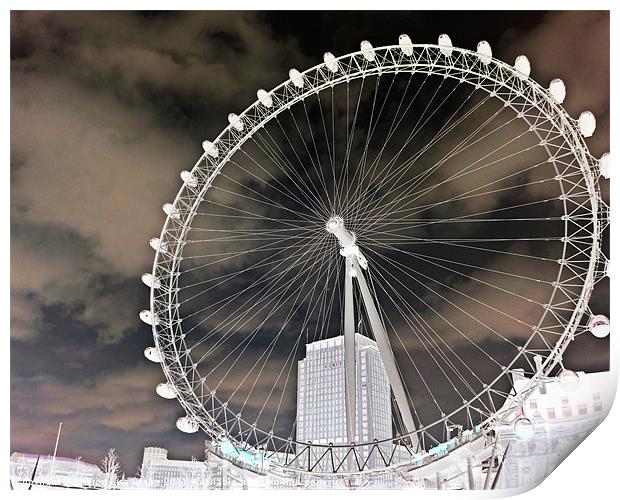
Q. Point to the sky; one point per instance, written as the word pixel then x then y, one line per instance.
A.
pixel 106 110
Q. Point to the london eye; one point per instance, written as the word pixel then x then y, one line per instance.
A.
pixel 431 206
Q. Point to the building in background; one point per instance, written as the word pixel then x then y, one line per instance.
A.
pixel 321 410
pixel 59 472
pixel 159 472
pixel 562 417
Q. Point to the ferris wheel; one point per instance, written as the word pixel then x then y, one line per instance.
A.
pixel 364 257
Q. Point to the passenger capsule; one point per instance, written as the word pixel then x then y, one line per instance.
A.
pixel 524 428
pixel 569 380
pixel 150 281
pixel 210 148
pixel 604 165
pixel 187 424
pixel 171 211
pixel 264 97
pixel 235 121
pixel 445 45
pixel 557 89
pixel 405 44
pixel 148 317
pixel 330 62
pixel 158 245
pixel 189 179
pixel 587 123
pixel 522 66
pixel 599 326
pixel 608 269
pixel 166 390
pixel 296 77
pixel 484 52
pixel 152 354
pixel 368 50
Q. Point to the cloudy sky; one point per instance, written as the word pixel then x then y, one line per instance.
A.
pixel 106 110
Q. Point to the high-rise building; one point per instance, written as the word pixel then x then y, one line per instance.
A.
pixel 321 407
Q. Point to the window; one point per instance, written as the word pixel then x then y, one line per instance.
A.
pixel 566 411
pixel 550 412
pixel 598 406
pixel 596 396
pixel 582 409
pixel 533 404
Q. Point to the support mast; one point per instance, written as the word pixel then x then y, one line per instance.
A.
pixel 387 355
pixel 349 351
pixel 355 265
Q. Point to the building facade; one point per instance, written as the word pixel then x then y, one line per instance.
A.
pixel 321 407
pixel 50 472
pixel 159 472
pixel 562 418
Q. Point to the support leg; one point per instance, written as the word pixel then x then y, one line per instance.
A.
pixel 349 352
pixel 385 350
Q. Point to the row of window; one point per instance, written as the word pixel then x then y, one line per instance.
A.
pixel 565 400
pixel 567 411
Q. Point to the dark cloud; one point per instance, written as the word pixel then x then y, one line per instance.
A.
pixel 115 410
pixel 95 158
pixel 106 110
pixel 54 265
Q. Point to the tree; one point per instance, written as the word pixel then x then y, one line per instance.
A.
pixel 111 469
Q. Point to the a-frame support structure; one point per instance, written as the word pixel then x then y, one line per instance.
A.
pixel 355 266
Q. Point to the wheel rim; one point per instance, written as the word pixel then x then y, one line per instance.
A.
pixel 462 66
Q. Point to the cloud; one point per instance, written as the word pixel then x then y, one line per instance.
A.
pixel 108 394
pixel 25 319
pixel 55 266
pixel 116 404
pixel 95 150
pixel 106 110
pixel 212 56
pixel 553 54
pixel 93 166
